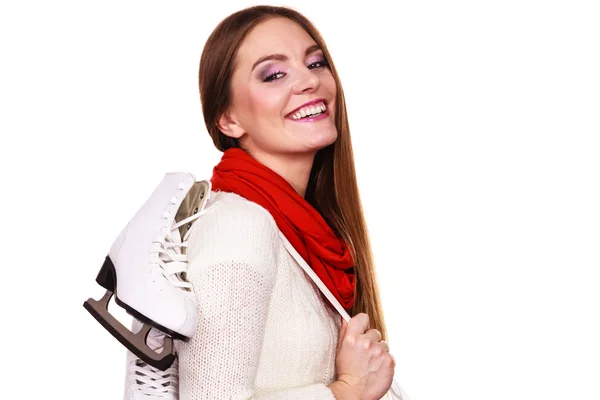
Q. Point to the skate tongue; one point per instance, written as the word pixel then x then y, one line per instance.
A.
pixel 173 237
pixel 170 252
pixel 175 234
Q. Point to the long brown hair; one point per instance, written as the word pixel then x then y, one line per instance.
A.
pixel 332 188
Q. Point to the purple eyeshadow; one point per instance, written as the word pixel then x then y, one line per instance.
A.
pixel 275 69
pixel 269 71
pixel 317 59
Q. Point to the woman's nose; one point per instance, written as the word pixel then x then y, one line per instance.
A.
pixel 307 81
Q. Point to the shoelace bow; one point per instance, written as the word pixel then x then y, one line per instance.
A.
pixel 151 381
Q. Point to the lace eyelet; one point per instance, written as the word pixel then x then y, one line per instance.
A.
pixel 195 210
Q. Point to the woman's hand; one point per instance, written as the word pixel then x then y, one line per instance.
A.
pixel 363 361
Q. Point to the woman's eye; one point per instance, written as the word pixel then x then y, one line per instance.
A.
pixel 279 74
pixel 273 76
pixel 319 64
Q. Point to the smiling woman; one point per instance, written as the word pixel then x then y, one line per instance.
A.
pixel 273 104
pixel 274 80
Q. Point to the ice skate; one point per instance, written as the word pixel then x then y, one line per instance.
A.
pixel 146 268
pixel 144 382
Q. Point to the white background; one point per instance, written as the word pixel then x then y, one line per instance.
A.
pixel 476 130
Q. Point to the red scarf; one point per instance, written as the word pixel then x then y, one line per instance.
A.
pixel 325 252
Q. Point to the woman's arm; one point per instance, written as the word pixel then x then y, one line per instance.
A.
pixel 232 266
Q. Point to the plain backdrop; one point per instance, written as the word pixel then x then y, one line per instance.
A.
pixel 476 133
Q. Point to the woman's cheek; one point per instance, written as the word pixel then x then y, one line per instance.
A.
pixel 269 102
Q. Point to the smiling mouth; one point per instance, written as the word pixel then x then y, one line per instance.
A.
pixel 309 112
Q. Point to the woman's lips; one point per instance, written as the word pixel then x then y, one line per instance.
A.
pixel 311 119
pixel 310 103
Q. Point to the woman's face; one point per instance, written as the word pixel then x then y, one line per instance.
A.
pixel 280 69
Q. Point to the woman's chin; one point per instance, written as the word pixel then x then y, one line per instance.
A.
pixel 319 137
pixel 322 140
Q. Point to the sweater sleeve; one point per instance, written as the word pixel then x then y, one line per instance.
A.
pixel 232 259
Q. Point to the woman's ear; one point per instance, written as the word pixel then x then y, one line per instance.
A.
pixel 229 125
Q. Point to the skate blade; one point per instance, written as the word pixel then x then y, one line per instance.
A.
pixel 134 342
pixel 107 278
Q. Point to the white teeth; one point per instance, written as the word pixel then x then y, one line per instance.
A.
pixel 309 110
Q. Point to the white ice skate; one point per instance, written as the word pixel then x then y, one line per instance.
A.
pixel 144 382
pixel 146 270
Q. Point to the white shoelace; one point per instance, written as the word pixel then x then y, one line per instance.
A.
pixel 151 381
pixel 171 259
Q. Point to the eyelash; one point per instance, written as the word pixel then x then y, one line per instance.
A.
pixel 270 78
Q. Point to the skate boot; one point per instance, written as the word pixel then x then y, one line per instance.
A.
pixel 146 268
pixel 144 382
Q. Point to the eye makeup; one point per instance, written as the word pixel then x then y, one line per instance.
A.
pixel 273 72
pixel 319 59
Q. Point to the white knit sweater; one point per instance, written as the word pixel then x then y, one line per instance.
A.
pixel 265 331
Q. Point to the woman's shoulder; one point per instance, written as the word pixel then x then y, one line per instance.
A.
pixel 233 226
pixel 233 234
pixel 233 210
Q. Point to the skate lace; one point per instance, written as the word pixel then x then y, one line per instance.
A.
pixel 151 381
pixel 171 258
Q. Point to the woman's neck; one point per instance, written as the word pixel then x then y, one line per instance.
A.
pixel 294 168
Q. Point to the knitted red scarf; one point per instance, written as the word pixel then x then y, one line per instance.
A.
pixel 325 252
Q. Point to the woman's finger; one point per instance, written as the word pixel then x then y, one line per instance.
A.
pixel 373 334
pixel 384 346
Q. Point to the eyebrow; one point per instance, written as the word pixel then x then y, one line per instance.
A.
pixel 283 57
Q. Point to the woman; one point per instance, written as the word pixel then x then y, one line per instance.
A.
pixel 273 103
